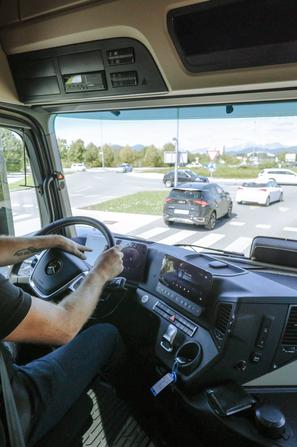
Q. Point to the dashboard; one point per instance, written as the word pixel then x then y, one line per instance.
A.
pixel 215 320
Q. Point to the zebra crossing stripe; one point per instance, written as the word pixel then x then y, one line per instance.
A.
pixel 239 245
pixel 153 232
pixel 177 237
pixel 237 224
pixel 209 240
pixel 264 226
pixel 294 229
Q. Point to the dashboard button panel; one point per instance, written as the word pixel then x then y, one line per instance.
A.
pixel 180 322
pixel 186 304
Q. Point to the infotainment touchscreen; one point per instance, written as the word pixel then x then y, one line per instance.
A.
pixel 186 279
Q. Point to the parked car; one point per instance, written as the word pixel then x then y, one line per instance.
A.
pixel 183 175
pixel 78 167
pixel 263 193
pixel 281 176
pixel 198 203
pixel 124 167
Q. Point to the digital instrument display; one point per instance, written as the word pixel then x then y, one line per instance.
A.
pixel 134 260
pixel 186 279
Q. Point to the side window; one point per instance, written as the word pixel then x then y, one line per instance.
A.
pixel 19 212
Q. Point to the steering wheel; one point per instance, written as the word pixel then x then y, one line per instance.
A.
pixel 56 271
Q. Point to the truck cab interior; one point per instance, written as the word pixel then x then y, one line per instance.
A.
pixel 211 333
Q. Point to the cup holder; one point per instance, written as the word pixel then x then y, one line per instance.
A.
pixel 188 357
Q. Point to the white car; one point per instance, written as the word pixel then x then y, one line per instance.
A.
pixel 263 193
pixel 281 176
pixel 78 167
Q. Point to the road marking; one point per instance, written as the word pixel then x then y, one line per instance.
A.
pixel 15 204
pixel 283 209
pixel 253 207
pixel 237 224
pixel 239 245
pixel 22 217
pixel 209 240
pixel 294 229
pixel 153 232
pixel 263 226
pixel 28 205
pixel 177 237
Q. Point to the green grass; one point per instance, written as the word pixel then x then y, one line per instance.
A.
pixel 19 184
pixel 147 202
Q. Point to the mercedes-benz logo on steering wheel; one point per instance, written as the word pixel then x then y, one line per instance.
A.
pixel 54 267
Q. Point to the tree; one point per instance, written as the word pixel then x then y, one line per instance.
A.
pixel 13 150
pixel 64 149
pixel 76 152
pixel 127 155
pixel 152 157
pixel 108 155
pixel 168 147
pixel 91 156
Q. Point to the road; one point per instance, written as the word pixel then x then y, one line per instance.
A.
pixel 235 234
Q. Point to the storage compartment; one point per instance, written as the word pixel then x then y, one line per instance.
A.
pixel 216 35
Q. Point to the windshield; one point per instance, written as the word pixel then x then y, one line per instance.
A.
pixel 115 164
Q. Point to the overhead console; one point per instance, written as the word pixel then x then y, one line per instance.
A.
pixel 219 35
pixel 86 71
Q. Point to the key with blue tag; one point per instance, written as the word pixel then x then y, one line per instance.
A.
pixel 166 380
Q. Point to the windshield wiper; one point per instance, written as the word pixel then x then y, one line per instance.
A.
pixel 218 250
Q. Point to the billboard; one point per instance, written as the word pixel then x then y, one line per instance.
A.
pixel 169 157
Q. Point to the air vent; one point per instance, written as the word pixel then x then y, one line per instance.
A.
pixel 223 317
pixel 290 334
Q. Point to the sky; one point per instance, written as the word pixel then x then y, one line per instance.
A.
pixel 193 134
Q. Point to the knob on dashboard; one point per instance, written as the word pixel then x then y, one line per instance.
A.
pixel 270 421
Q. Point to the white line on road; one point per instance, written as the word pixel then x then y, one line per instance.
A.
pixel 209 240
pixel 22 217
pixel 265 226
pixel 294 229
pixel 239 245
pixel 153 232
pixel 237 224
pixel 253 207
pixel 28 205
pixel 283 209
pixel 177 237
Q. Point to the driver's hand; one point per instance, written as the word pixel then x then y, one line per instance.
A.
pixel 72 247
pixel 109 264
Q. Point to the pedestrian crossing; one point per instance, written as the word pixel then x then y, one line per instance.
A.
pixel 234 235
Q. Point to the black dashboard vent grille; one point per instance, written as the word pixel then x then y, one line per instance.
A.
pixel 223 317
pixel 290 334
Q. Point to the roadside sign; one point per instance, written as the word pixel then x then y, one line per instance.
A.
pixel 169 157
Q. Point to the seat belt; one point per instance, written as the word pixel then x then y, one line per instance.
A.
pixel 16 436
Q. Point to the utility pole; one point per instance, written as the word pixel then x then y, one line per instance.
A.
pixel 176 140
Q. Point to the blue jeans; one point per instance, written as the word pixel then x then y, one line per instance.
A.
pixel 57 380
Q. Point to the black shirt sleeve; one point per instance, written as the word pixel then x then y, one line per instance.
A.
pixel 14 306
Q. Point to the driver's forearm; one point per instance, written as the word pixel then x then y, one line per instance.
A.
pixel 17 249
pixel 80 305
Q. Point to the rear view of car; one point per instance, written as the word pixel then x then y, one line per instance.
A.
pixel 78 167
pixel 263 193
pixel 197 203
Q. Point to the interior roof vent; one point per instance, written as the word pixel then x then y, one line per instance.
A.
pixel 290 334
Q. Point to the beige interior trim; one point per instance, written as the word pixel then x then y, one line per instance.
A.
pixel 7 87
pixel 285 376
pixel 143 20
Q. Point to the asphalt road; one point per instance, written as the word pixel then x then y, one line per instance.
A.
pixel 235 234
